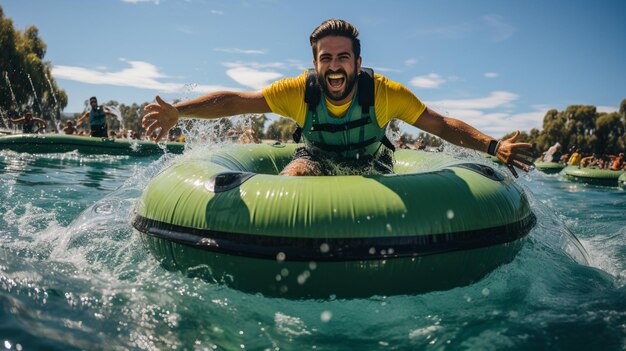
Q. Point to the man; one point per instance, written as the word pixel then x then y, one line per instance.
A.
pixel 69 128
pixel 588 161
pixel 574 160
pixel 29 123
pixel 97 118
pixel 339 119
pixel 618 162
pixel 553 154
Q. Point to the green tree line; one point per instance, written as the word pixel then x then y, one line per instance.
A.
pixel 22 56
pixel 580 126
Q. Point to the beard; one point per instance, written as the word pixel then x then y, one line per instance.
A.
pixel 350 81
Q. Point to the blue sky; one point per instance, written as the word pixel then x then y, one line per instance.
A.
pixel 498 65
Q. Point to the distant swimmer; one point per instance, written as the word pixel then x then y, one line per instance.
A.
pixel 69 128
pixel 97 118
pixel 30 123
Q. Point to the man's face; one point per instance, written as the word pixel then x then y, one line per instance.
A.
pixel 93 103
pixel 337 68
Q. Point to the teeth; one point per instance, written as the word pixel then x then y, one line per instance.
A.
pixel 335 76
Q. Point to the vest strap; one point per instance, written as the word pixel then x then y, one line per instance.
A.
pixel 312 90
pixel 333 128
pixel 344 148
pixel 385 141
pixel 366 89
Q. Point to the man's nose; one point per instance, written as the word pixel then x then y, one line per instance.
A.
pixel 334 64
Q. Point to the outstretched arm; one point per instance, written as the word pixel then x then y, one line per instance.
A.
pixel 82 118
pixel 511 154
pixel 40 121
pixel 213 105
pixel 17 121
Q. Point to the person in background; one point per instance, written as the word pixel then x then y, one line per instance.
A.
pixel 249 137
pixel 618 162
pixel 97 118
pixel 69 128
pixel 586 161
pixel 574 160
pixel 29 123
pixel 553 154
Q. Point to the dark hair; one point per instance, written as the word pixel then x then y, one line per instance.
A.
pixel 336 27
pixel 93 98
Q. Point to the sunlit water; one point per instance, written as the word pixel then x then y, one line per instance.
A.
pixel 74 275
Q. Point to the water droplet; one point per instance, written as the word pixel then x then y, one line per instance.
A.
pixel 281 257
pixel 450 214
pixel 389 228
pixel 485 292
pixel 324 248
pixel 302 278
pixel 326 316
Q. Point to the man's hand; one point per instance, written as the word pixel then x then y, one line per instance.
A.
pixel 160 115
pixel 514 154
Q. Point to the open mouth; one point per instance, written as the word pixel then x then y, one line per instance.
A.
pixel 335 80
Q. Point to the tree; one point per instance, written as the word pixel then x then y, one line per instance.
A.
pixel 282 129
pixel 608 131
pixel 25 79
pixel 258 125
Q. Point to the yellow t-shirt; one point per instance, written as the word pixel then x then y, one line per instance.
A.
pixel 574 160
pixel 391 100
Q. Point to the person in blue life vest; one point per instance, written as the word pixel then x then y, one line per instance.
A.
pixel 29 123
pixel 97 118
pixel 341 109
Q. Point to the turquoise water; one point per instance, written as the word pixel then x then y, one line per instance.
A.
pixel 74 275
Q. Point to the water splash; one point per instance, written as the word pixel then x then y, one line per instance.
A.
pixel 5 120
pixel 6 77
pixel 57 121
pixel 118 115
pixel 35 94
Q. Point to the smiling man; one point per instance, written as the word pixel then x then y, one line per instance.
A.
pixel 342 111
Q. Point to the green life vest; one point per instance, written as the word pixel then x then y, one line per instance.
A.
pixel 28 127
pixel 97 116
pixel 355 135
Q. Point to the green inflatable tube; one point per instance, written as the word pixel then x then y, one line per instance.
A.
pixel 59 143
pixel 621 181
pixel 593 175
pixel 230 218
pixel 549 167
